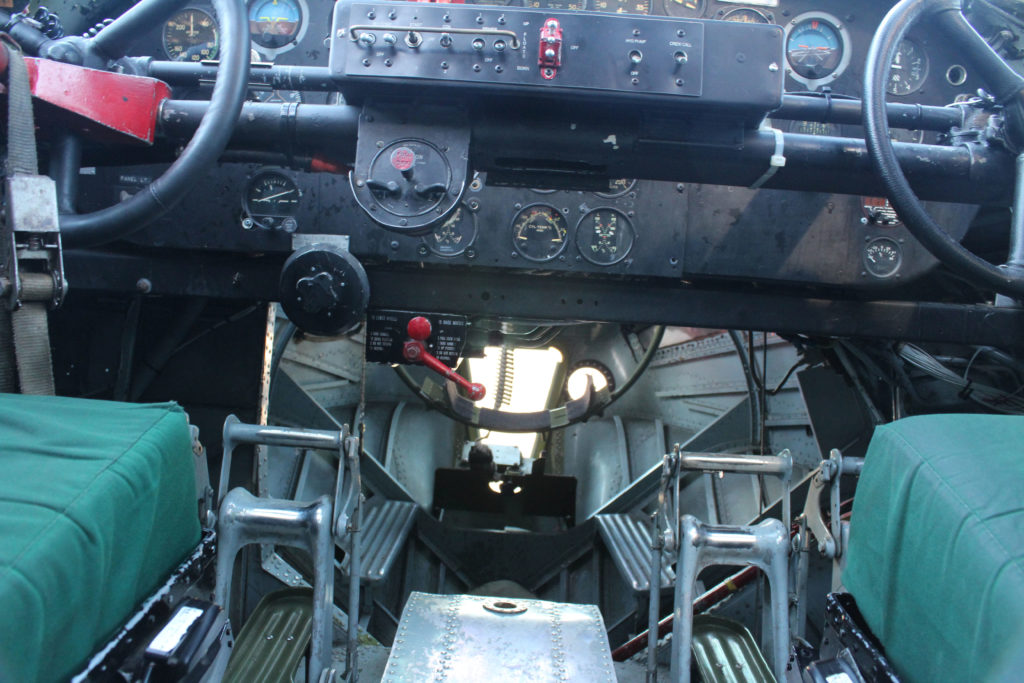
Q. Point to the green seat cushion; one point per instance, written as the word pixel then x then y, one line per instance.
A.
pixel 97 507
pixel 936 552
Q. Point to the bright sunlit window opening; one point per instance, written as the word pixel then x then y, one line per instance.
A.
pixel 527 383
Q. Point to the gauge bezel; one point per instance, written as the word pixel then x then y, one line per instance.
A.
pixel 620 193
pixel 271 52
pixel 622 3
pixel 204 10
pixel 844 36
pixel 739 10
pixel 623 217
pixel 555 211
pixel 259 219
pixel 426 239
pixel 889 241
pixel 925 71
pixel 702 8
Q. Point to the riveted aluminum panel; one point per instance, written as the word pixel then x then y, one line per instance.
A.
pixel 457 639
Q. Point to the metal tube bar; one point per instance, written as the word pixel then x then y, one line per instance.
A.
pixel 780 465
pixel 974 174
pixel 848 112
pixel 245 519
pixel 654 600
pixel 114 40
pixel 1016 257
pixel 765 546
pixel 236 432
pixel 275 76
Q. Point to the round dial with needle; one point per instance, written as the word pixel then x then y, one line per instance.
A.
pixel 908 69
pixel 605 236
pixel 191 36
pixel 685 8
pixel 538 232
pixel 272 200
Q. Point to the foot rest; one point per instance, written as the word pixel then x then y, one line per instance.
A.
pixel 629 543
pixel 275 636
pixel 765 545
pixel 722 645
pixel 246 519
pixel 384 530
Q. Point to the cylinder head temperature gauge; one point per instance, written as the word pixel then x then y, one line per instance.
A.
pixel 539 232
pixel 605 236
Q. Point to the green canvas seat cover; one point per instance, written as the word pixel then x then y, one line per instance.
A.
pixel 97 508
pixel 936 553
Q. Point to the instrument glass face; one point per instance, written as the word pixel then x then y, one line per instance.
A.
pixel 618 187
pixel 814 48
pixel 622 6
pixel 539 232
pixel 908 70
pixel 191 36
pixel 605 236
pixel 685 8
pixel 746 16
pixel 271 198
pixel 274 23
pixel 454 236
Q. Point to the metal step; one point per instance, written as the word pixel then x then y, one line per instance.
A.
pixel 382 536
pixel 628 541
pixel 274 639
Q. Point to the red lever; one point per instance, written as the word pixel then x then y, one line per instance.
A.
pixel 416 352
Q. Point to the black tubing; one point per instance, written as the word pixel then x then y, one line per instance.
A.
pixel 115 39
pixel 209 141
pixel 883 158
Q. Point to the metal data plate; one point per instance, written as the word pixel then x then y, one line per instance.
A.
pixel 468 639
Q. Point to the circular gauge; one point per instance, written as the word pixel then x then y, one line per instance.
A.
pixel 191 36
pixel 878 211
pixel 685 8
pixel 272 200
pixel 605 236
pixel 274 23
pixel 455 235
pixel 618 187
pixel 883 257
pixel 556 4
pixel 538 232
pixel 746 16
pixel 623 6
pixel 908 70
pixel 814 128
pixel 817 50
pixel 904 135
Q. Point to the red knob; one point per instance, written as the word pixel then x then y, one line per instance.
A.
pixel 419 328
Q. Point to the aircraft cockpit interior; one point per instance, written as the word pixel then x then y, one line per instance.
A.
pixel 514 340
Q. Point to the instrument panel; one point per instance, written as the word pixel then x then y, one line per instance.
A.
pixel 634 228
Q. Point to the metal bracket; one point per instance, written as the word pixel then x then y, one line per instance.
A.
pixel 827 475
pixel 31 261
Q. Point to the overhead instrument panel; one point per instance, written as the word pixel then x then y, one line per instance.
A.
pixel 276 26
pixel 817 49
pixel 394 49
pixel 191 36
